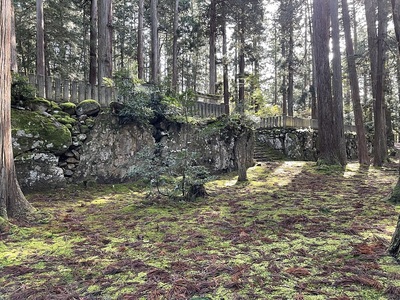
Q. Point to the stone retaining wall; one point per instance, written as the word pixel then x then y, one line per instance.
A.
pixel 299 144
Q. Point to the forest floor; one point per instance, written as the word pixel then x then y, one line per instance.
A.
pixel 294 231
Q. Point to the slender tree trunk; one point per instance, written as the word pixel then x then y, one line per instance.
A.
pixel 370 13
pixel 314 107
pixel 93 45
pixel 290 62
pixel 140 60
pixel 175 49
pixel 105 40
pixel 212 39
pixel 225 59
pixel 241 66
pixel 275 65
pixel 362 147
pixel 337 89
pixel 12 201
pixel 40 62
pixel 284 88
pixel 155 72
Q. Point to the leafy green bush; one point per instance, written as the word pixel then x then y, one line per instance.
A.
pixel 21 90
pixel 171 173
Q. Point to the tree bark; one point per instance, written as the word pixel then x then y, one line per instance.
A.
pixel 40 60
pixel 337 89
pixel 175 49
pixel 396 21
pixel 140 60
pixel 14 60
pixel 328 142
pixel 290 62
pixel 380 143
pixel 362 147
pixel 284 88
pixel 225 59
pixel 241 30
pixel 154 43
pixel 12 201
pixel 212 39
pixel 93 45
pixel 105 40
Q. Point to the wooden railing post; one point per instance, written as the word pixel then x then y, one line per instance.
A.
pixel 74 92
pixel 49 89
pixel 58 89
pixel 66 94
pixel 41 86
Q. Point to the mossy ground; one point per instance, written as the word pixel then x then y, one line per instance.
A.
pixel 293 231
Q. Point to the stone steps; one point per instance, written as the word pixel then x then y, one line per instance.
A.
pixel 263 153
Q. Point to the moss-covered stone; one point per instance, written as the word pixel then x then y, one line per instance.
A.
pixel 88 107
pixel 65 118
pixel 39 104
pixel 36 132
pixel 68 107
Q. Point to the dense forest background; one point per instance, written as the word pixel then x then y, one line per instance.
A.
pixel 200 41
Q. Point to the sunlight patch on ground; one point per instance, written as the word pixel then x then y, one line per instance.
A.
pixel 288 171
pixel 352 169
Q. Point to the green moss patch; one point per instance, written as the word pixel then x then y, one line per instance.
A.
pixel 33 130
pixel 292 232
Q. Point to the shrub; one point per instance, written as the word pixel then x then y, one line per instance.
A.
pixel 171 173
pixel 21 90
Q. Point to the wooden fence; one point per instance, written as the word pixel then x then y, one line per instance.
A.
pixel 75 91
pixel 294 122
pixel 65 90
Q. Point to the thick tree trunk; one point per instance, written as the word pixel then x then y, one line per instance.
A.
pixel 40 62
pixel 212 39
pixel 394 247
pixel 380 143
pixel 328 142
pixel 105 40
pixel 362 147
pixel 242 152
pixel 93 45
pixel 12 201
pixel 154 43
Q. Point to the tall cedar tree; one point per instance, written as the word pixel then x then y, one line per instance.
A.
pixel 155 58
pixel 12 201
pixel 40 54
pixel 212 41
pixel 105 40
pixel 328 140
pixel 337 89
pixel 93 44
pixel 362 147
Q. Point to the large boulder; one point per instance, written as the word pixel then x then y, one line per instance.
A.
pixel 109 150
pixel 88 107
pixel 39 171
pixel 38 132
